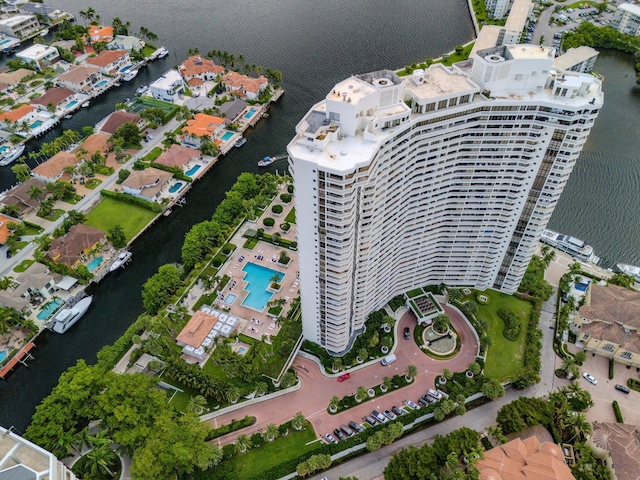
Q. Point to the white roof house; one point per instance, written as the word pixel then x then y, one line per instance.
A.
pixel 41 55
pixel 168 86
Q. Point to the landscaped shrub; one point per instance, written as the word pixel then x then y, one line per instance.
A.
pixel 512 324
pixel 396 302
pixel 617 412
pixel 633 384
pixel 217 261
pixel 611 368
pixel 290 188
pixel 285 226
pixel 231 427
pixel 277 209
pixel 268 222
pixel 257 439
pixel 153 206
pixel 285 197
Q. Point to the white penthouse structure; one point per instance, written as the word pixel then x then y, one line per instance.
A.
pixel 450 175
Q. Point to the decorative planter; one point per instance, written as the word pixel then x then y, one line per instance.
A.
pixel 442 380
pixel 234 401
pixel 383 389
pixel 384 349
pixel 359 360
pixel 408 379
pixel 357 398
pixel 371 392
pixel 386 328
pixel 469 374
pixel 335 370
pixel 333 408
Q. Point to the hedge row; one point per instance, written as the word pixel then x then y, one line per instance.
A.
pixel 231 427
pixel 618 413
pixel 178 173
pixel 611 368
pixel 109 355
pixel 153 206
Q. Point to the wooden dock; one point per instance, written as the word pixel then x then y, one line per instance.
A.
pixel 19 357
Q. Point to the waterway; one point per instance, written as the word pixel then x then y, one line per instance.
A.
pixel 314 44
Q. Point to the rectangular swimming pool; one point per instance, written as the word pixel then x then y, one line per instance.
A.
pixel 73 103
pixel 101 83
pixel 226 136
pixel 192 170
pixel 258 279
pixel 36 124
pixel 3 148
pixel 95 263
pixel 175 187
pixel 250 113
pixel 230 298
pixel 49 308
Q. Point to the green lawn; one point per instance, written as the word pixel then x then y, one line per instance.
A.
pixel 291 216
pixel 111 212
pixel 504 360
pixel 22 267
pixel 56 213
pixel 281 450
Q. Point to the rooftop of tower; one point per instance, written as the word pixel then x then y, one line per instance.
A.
pixel 440 81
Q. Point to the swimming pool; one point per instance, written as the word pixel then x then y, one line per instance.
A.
pixel 3 355
pixel 241 350
pixel 36 124
pixel 258 279
pixel 71 104
pixel 101 83
pixel 3 148
pixel 5 41
pixel 175 187
pixel 230 298
pixel 124 69
pixel 192 170
pixel 49 308
pixel 226 136
pixel 250 113
pixel 95 263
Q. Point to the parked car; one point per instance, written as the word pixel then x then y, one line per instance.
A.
pixel 411 404
pixel 435 394
pixel 370 420
pixel 389 415
pixel 378 416
pixel 623 389
pixel 590 378
pixel 347 430
pixel 428 399
pixel 330 438
pixel 407 333
pixel 149 136
pixel 339 434
pixel 356 426
pixel 423 402
pixel 344 376
pixel 397 411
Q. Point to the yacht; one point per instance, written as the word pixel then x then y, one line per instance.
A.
pixel 240 142
pixel 44 32
pixel 85 104
pixel 630 270
pixel 266 161
pixel 120 261
pixel 162 52
pixel 129 75
pixel 11 155
pixel 68 316
pixel 571 245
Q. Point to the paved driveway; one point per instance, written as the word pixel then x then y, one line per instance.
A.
pixel 317 390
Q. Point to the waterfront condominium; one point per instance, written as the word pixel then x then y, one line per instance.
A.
pixel 447 175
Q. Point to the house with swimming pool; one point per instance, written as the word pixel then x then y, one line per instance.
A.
pixel 179 156
pixel 244 86
pixel 147 184
pixel 18 116
pixel 111 62
pixel 168 87
pixel 61 98
pixel 76 246
pixel 54 168
pixel 41 56
pixel 202 125
pixel 82 78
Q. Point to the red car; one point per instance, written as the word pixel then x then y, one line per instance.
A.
pixel 344 377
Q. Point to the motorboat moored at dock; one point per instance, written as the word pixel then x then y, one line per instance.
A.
pixel 631 270
pixel 571 245
pixel 122 259
pixel 68 316
pixel 11 155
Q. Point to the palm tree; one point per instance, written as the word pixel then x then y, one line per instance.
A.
pixel 271 432
pixel 411 371
pixel 261 388
pixel 570 367
pixel 197 404
pixel 243 443
pixel 8 282
pixel 496 432
pixel 363 354
pixel 232 394
pixel 362 393
pixel 298 421
pixel 333 404
pixel 387 382
pixel 288 380
pixel 441 323
pixel 579 424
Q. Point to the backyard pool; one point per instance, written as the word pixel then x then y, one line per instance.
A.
pixel 3 148
pixel 36 124
pixel 71 104
pixel 226 136
pixel 175 187
pixel 258 279
pixel 192 170
pixel 95 263
pixel 124 69
pixel 250 113
pixel 49 308
pixel 230 298
pixel 101 83
pixel 3 355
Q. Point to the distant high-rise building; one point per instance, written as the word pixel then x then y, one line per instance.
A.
pixel 497 8
pixel 447 176
pixel 628 15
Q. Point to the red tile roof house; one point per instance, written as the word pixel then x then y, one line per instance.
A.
pixel 59 97
pixel 97 142
pixel 118 118
pixel 198 67
pixel 201 125
pixel 21 198
pixel 100 34
pixel 5 233
pixel 244 86
pixel 24 113
pixel 75 247
pixel 178 157
pixel 110 62
pixel 146 184
pixel 53 169
pixel 80 78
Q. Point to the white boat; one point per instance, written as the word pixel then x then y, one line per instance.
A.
pixel 129 75
pixel 240 142
pixel 44 32
pixel 68 116
pixel 266 161
pixel 630 270
pixel 141 90
pixel 85 104
pixel 68 316
pixel 11 155
pixel 120 261
pixel 162 52
pixel 571 245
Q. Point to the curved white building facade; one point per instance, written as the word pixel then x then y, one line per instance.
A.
pixel 446 176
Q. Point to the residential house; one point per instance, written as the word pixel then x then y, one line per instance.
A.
pixel 200 68
pixel 15 77
pixel 200 332
pixel 5 233
pixel 110 62
pixel 100 34
pixel 524 459
pixel 616 445
pixel 146 184
pixel 116 119
pixel 58 97
pixel 18 116
pixel 231 110
pixel 20 195
pixel 168 87
pixel 33 8
pixel 178 156
pixel 97 142
pixel 243 85
pixel 199 126
pixel 20 25
pixel 54 168
pixel 81 78
pixel 41 56
pixel 76 246
pixel 125 42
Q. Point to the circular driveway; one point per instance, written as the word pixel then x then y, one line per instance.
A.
pixel 317 390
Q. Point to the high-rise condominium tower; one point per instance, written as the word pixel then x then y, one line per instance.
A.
pixel 448 175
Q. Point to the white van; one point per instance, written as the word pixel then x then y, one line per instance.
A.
pixel 388 360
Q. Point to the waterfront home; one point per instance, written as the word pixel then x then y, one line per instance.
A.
pixel 116 119
pixel 168 87
pixel 232 110
pixel 243 85
pixel 100 34
pixel 5 233
pixel 200 68
pixel 23 115
pixel 81 78
pixel 125 42
pixel 20 25
pixel 201 125
pixel 58 97
pixel 41 56
pixel 54 168
pixel 15 77
pixel 97 142
pixel 146 184
pixel 20 196
pixel 178 156
pixel 199 103
pixel 110 62
pixel 76 246
pixel 33 8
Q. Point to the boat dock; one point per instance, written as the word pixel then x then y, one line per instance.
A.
pixel 20 357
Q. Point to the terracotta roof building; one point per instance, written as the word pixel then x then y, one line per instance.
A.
pixel 110 62
pixel 74 247
pixel 621 442
pixel 100 34
pixel 118 118
pixel 17 114
pixel 57 96
pixel 201 125
pixel 524 459
pixel 53 169
pixel 146 184
pixel 178 156
pixel 198 67
pixel 11 78
pixel 20 197
pixel 80 78
pixel 97 142
pixel 243 85
pixel 5 233
pixel 200 332
pixel 196 329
